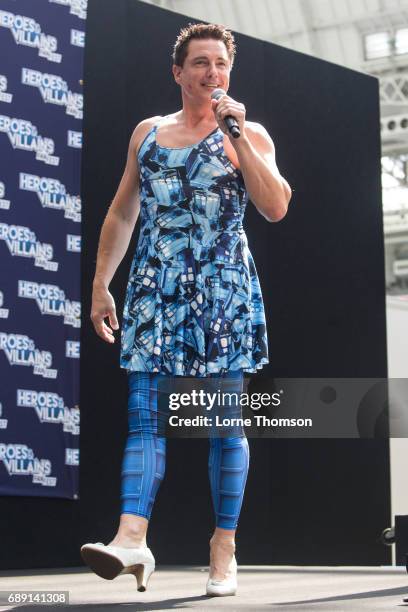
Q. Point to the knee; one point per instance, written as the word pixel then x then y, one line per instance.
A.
pixel 237 443
pixel 234 442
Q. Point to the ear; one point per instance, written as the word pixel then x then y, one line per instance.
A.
pixel 176 72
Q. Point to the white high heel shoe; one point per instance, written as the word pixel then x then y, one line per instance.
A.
pixel 111 561
pixel 228 586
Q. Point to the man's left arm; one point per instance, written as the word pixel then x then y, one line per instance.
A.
pixel 267 188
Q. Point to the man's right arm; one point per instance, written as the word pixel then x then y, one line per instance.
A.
pixel 116 233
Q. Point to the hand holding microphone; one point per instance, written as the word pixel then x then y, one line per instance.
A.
pixel 227 112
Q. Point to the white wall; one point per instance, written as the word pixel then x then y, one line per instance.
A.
pixel 397 348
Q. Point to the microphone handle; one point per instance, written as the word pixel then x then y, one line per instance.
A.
pixel 232 125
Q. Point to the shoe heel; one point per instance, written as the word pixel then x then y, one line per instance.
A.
pixel 142 574
pixel 228 586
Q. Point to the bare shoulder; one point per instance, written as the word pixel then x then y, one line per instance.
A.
pixel 257 131
pixel 141 131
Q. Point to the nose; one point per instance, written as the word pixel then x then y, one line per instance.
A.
pixel 212 69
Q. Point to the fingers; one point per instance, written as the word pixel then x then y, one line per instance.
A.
pixel 113 320
pixel 103 330
pixel 103 306
pixel 228 106
pixel 221 123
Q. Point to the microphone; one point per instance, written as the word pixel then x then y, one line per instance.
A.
pixel 230 121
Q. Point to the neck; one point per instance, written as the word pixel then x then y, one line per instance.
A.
pixel 193 115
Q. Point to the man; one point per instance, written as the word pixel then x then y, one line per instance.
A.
pixel 206 66
pixel 203 58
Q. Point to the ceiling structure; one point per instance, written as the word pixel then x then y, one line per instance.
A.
pixel 334 30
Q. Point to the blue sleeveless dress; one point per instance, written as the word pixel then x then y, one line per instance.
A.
pixel 193 304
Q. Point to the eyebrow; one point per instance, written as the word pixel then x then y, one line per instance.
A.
pixel 205 57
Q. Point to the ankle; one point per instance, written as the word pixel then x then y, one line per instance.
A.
pixel 131 538
pixel 223 542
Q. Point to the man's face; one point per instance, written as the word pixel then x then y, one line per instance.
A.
pixel 206 67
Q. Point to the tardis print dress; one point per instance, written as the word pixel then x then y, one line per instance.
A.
pixel 193 304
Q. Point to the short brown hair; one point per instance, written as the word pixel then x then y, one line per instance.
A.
pixel 202 31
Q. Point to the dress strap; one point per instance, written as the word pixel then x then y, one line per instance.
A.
pixel 147 139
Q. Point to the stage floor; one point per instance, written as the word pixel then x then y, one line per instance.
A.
pixel 260 587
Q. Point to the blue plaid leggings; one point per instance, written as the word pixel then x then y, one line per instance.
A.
pixel 144 459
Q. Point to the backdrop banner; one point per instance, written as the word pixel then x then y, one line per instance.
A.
pixel 42 47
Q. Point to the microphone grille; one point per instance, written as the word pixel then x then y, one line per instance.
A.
pixel 217 93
